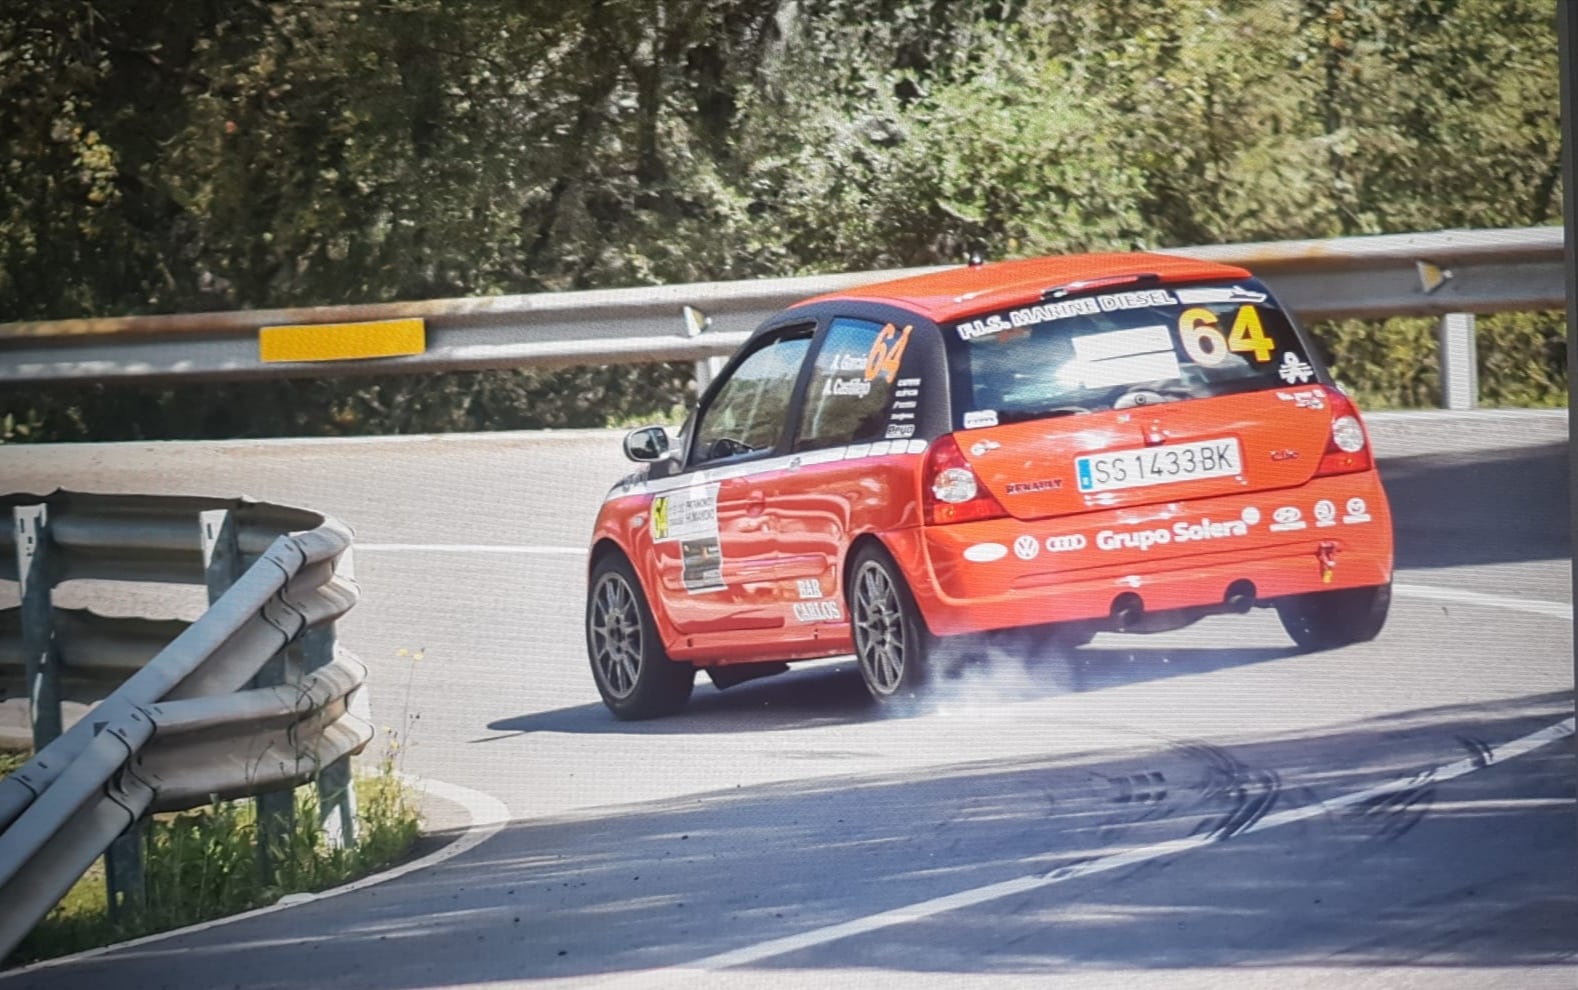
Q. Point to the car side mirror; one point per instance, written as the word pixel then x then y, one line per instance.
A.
pixel 650 443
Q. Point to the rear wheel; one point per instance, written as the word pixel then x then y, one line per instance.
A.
pixel 633 672
pixel 1325 619
pixel 892 644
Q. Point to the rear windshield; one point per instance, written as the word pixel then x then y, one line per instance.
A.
pixel 1113 350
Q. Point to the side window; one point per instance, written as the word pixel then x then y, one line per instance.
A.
pixel 748 411
pixel 857 392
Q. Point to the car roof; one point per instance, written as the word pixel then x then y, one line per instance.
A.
pixel 958 292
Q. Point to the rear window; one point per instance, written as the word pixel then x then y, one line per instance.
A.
pixel 1114 350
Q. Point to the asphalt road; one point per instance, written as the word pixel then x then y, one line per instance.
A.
pixel 1205 808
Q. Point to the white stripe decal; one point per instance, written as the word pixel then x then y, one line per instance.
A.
pixel 786 462
pixel 921 910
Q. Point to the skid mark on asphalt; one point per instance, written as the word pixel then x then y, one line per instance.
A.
pixel 1396 800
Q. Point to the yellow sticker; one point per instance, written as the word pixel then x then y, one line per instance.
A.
pixel 342 341
pixel 1201 336
pixel 1249 335
pixel 660 518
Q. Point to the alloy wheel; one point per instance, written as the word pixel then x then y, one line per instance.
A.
pixel 616 635
pixel 879 629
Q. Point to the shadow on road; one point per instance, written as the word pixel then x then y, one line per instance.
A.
pixel 807 698
pixel 1486 506
pixel 1462 874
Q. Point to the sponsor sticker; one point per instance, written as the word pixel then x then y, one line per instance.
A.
pixel 1294 370
pixel 1026 548
pixel 809 588
pixel 1123 357
pixel 899 431
pixel 985 553
pixel 979 418
pixel 1218 294
pixel 1063 309
pixel 1325 513
pixel 1287 519
pixel 1310 398
pixel 1250 515
pixel 1180 532
pixel 690 517
pixel 980 447
pixel 826 610
pixel 1063 544
pixel 1358 511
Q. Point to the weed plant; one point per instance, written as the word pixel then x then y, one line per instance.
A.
pixel 204 864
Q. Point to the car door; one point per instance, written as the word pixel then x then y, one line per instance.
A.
pixel 711 536
pixel 858 416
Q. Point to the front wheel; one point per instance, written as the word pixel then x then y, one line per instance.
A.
pixel 1324 620
pixel 892 644
pixel 633 672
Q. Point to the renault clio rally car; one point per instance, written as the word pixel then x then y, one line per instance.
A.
pixel 1103 442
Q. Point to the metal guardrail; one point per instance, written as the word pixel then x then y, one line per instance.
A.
pixel 1447 272
pixel 251 698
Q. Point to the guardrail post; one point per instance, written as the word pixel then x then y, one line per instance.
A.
pixel 696 323
pixel 38 632
pixel 222 564
pixel 125 882
pixel 1459 362
pixel 336 795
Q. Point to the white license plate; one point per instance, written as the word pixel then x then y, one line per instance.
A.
pixel 1159 465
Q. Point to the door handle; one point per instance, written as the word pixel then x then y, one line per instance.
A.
pixel 755 503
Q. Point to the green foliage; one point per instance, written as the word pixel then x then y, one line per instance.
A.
pixel 266 155
pixel 1392 364
pixel 203 864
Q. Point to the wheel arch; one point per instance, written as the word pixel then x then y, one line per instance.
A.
pixel 607 547
pixel 846 572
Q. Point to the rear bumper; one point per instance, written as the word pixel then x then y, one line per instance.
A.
pixel 973 577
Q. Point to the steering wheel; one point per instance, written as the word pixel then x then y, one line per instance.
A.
pixel 727 447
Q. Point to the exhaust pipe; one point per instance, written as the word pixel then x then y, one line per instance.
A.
pixel 1127 609
pixel 1240 596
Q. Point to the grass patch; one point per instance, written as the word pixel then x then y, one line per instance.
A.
pixel 10 760
pixel 203 864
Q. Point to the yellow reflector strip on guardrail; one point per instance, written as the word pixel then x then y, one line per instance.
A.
pixel 342 341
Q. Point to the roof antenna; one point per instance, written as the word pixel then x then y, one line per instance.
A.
pixel 977 257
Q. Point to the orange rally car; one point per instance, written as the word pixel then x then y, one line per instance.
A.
pixel 1102 442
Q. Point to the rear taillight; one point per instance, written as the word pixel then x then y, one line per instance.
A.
pixel 950 491
pixel 1348 447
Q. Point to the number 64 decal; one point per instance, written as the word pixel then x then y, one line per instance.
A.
pixel 883 358
pixel 1201 334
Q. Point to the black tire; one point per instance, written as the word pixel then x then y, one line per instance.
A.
pixel 1323 620
pixel 633 672
pixel 892 644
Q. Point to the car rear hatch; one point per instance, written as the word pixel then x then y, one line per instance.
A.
pixel 1129 398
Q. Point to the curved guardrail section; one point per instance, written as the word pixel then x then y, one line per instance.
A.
pixel 251 698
